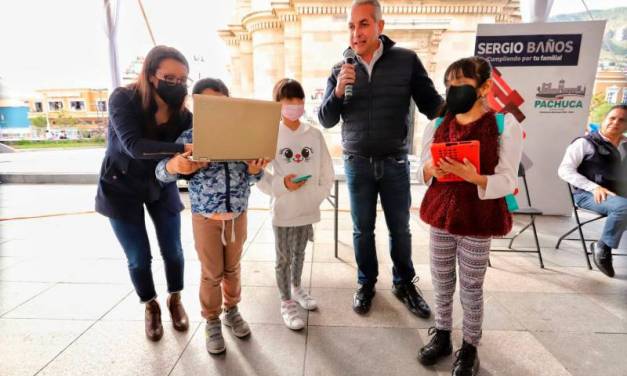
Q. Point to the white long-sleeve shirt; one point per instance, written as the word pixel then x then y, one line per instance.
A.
pixel 300 152
pixel 505 178
pixel 575 154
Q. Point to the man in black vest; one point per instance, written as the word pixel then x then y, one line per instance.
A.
pixel 596 165
pixel 375 129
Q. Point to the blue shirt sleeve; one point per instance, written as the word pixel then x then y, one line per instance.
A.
pixel 160 171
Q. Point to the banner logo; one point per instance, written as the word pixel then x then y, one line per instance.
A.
pixel 560 99
pixel 502 98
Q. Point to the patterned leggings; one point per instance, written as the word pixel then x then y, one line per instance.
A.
pixel 472 254
pixel 290 244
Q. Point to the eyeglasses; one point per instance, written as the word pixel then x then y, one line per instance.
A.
pixel 172 80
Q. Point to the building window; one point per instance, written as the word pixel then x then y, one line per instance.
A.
pixel 77 105
pixel 624 95
pixel 102 106
pixel 611 95
pixel 38 107
pixel 55 106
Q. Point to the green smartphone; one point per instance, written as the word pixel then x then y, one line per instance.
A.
pixel 301 178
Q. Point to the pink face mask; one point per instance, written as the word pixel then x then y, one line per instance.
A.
pixel 292 112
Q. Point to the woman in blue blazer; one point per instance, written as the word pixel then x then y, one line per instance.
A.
pixel 145 118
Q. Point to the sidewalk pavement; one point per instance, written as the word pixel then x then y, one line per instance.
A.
pixel 67 306
pixel 67 166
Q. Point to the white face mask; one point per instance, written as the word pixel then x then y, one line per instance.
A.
pixel 292 112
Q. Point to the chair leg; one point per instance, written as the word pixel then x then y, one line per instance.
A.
pixel 535 236
pixel 583 244
pixel 559 241
pixel 335 216
pixel 511 241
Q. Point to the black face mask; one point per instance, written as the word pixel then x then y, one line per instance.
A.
pixel 173 95
pixel 460 99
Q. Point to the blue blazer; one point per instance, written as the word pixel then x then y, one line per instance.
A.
pixel 134 147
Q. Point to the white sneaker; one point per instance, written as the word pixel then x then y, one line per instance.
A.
pixel 289 311
pixel 304 299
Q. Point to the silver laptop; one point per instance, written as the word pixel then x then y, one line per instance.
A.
pixel 234 129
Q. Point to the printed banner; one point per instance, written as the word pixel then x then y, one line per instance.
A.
pixel 544 75
pixel 529 50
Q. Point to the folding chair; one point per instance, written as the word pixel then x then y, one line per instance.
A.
pixel 532 213
pixel 579 226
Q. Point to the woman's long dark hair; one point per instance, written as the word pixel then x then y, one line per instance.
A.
pixel 151 63
pixel 474 67
pixel 146 92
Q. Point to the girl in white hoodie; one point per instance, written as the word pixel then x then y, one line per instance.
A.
pixel 300 179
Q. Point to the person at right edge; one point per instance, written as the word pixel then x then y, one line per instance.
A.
pixel 374 139
pixel 596 167
pixel 465 215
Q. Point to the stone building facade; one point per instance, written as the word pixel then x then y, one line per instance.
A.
pixel 302 39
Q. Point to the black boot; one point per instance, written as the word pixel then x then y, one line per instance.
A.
pixel 602 257
pixel 362 299
pixel 415 303
pixel 439 347
pixel 467 362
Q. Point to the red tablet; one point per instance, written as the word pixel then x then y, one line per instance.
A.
pixel 457 151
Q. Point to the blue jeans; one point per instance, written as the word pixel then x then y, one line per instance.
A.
pixel 615 207
pixel 134 240
pixel 387 178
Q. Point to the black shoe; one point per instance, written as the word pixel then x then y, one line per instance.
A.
pixel 467 362
pixel 602 257
pixel 362 299
pixel 407 293
pixel 439 347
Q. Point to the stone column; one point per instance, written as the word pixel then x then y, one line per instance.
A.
pixel 433 48
pixel 267 46
pixel 292 45
pixel 247 77
pixel 234 66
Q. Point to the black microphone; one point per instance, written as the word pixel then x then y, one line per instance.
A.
pixel 349 58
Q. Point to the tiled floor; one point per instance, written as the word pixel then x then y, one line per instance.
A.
pixel 67 306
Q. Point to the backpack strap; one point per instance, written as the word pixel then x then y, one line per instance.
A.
pixel 438 121
pixel 510 199
pixel 500 122
pixel 512 203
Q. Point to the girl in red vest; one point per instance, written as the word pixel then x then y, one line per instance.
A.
pixel 465 215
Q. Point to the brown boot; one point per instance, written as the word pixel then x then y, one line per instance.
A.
pixel 177 312
pixel 154 329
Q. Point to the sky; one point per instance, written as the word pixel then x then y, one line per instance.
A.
pixel 576 6
pixel 62 43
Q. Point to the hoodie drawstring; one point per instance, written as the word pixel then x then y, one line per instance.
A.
pixel 223 237
pixel 233 230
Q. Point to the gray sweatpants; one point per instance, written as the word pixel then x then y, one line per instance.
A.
pixel 290 244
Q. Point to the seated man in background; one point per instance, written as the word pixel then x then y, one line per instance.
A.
pixel 596 166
